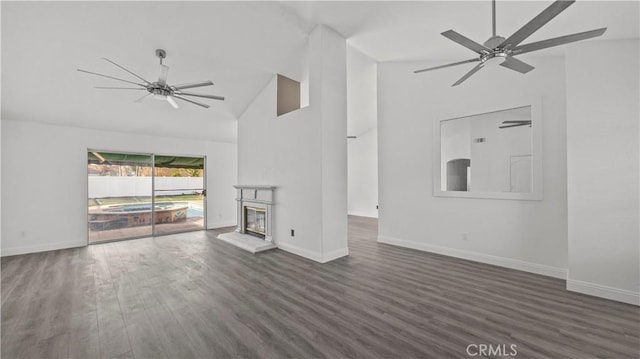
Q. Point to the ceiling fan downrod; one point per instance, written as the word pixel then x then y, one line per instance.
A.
pixel 493 17
pixel 163 54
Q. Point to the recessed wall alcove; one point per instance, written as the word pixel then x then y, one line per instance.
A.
pixel 288 95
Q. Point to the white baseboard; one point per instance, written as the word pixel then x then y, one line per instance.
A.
pixel 314 256
pixel 603 291
pixel 299 251
pixel 328 257
pixel 541 269
pixel 363 214
pixel 41 248
pixel 221 224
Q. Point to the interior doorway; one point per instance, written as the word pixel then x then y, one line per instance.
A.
pixel 520 169
pixel 458 174
pixel 132 195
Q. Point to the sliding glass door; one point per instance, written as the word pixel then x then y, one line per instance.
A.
pixel 133 195
pixel 179 194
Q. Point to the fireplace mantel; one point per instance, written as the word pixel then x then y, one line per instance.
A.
pixel 259 196
pixel 255 194
pixel 255 187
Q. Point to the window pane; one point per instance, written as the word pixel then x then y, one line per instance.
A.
pixel 119 196
pixel 179 194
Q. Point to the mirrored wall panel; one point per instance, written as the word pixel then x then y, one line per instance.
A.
pixel 488 153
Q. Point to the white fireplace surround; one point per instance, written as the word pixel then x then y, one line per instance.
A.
pixel 256 197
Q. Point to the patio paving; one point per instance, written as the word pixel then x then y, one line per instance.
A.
pixel 145 231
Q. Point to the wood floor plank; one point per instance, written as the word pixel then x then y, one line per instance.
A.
pixel 193 296
pixel 84 337
pixel 172 336
pixel 113 337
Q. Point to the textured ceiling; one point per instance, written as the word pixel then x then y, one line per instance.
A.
pixel 237 45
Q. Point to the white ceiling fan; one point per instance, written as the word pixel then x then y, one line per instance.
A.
pixel 502 51
pixel 161 89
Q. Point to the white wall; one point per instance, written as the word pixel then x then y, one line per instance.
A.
pixel 526 235
pixel 363 174
pixel 304 154
pixel 330 67
pixel 44 181
pixel 362 92
pixel 362 122
pixel 603 169
pixel 1 166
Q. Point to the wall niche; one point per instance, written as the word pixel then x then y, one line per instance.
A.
pixel 288 95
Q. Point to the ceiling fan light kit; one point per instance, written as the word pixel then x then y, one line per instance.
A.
pixel 498 50
pixel 160 89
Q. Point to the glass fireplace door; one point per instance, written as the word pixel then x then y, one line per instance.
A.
pixel 255 221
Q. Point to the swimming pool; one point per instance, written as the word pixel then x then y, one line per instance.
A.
pixel 195 211
pixel 139 214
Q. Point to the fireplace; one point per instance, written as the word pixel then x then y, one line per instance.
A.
pixel 255 218
pixel 255 211
pixel 255 221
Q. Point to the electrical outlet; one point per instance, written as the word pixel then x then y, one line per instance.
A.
pixel 465 236
pixel 293 233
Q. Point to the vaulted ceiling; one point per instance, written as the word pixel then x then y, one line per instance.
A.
pixel 237 45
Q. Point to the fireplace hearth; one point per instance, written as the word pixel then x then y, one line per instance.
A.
pixel 255 218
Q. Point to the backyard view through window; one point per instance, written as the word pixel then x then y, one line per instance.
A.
pixel 136 195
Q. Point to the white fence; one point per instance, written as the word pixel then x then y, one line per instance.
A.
pixel 131 186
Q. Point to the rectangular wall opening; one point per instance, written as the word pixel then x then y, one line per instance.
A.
pixel 288 95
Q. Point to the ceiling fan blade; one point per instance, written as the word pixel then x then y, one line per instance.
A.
pixel 142 98
pixel 465 41
pixel 164 72
pixel 119 88
pixel 518 121
pixel 517 65
pixel 192 85
pixel 468 74
pixel 110 77
pixel 122 67
pixel 537 22
pixel 200 95
pixel 556 41
pixel 188 100
pixel 520 124
pixel 447 65
pixel 173 103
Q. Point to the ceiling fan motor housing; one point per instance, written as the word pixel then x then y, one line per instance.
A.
pixel 159 91
pixel 494 57
pixel 496 52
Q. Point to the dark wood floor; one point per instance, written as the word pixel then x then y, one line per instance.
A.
pixel 192 295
